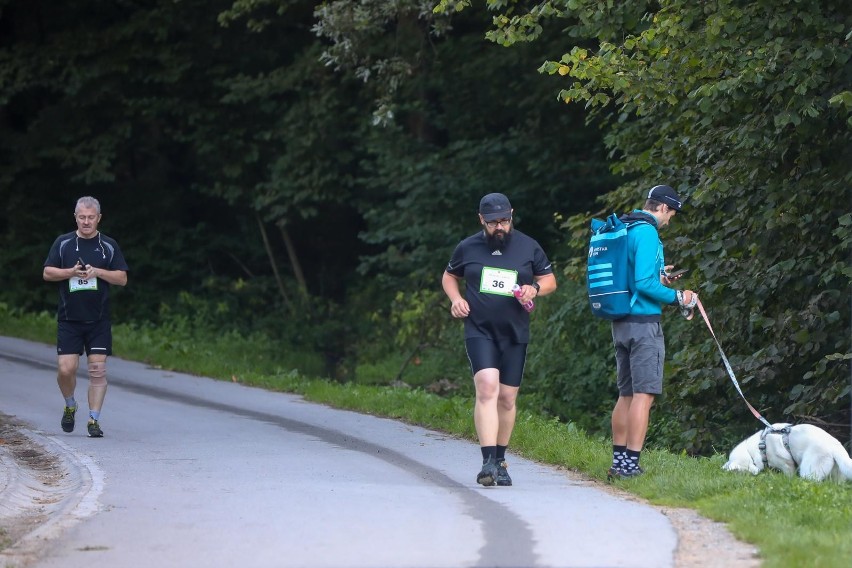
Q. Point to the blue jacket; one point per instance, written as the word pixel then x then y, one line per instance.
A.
pixel 645 261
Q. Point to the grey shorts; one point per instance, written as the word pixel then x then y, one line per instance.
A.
pixel 639 354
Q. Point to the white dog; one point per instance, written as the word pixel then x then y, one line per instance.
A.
pixel 814 452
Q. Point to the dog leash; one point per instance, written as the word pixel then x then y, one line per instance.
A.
pixel 728 366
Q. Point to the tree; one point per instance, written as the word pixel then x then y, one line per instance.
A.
pixel 92 97
pixel 744 107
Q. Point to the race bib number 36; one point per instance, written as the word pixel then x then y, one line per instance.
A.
pixel 497 281
pixel 78 284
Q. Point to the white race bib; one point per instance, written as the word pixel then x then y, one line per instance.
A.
pixel 76 284
pixel 497 281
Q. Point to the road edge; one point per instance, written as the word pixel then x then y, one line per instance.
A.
pixel 45 488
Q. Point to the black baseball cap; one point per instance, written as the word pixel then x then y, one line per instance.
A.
pixel 495 206
pixel 665 194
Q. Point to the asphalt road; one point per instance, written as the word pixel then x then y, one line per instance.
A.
pixel 198 472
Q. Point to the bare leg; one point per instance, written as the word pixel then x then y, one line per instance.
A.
pixel 637 420
pixel 620 420
pixel 485 414
pixel 97 381
pixel 66 376
pixel 506 411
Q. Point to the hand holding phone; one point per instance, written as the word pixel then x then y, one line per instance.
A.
pixel 677 273
pixel 81 263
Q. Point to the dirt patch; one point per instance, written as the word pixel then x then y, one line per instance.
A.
pixel 707 544
pixel 701 543
pixel 27 485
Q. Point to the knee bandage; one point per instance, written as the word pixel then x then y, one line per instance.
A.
pixel 97 374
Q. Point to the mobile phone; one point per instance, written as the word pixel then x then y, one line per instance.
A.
pixel 677 273
pixel 81 263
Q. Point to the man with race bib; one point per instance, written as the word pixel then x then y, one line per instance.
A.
pixel 84 263
pixel 496 324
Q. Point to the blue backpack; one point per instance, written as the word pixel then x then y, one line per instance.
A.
pixel 607 275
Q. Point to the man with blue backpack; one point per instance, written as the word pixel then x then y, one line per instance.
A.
pixel 627 283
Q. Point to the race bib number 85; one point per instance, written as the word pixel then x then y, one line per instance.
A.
pixel 497 281
pixel 77 284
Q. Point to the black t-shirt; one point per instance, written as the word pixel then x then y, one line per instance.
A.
pixel 495 313
pixel 84 300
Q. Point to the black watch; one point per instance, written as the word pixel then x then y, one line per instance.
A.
pixel 537 287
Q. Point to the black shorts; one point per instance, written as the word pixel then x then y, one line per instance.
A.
pixel 509 358
pixel 75 336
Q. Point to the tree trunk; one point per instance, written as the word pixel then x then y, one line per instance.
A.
pixel 294 260
pixel 291 308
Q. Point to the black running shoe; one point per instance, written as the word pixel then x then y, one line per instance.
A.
pixel 488 475
pixel 503 478
pixel 68 418
pixel 620 473
pixel 94 429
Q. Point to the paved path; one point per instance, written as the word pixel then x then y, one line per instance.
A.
pixel 198 472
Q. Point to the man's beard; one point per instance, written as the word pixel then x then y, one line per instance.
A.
pixel 498 240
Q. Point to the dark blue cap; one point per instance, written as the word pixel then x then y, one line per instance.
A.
pixel 667 195
pixel 495 206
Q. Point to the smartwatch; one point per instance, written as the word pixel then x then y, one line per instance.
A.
pixel 537 287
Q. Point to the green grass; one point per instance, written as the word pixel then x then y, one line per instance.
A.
pixel 221 354
pixel 793 522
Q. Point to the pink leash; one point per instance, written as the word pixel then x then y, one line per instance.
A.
pixel 728 366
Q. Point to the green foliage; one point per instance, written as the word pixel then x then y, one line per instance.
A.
pixel 570 360
pixel 741 107
pixel 453 142
pixel 227 355
pixel 94 103
pixel 198 345
pixel 381 43
pixel 33 326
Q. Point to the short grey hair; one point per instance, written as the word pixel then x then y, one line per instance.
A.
pixel 88 202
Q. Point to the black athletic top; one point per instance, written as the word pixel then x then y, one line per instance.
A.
pixel 84 300
pixel 494 312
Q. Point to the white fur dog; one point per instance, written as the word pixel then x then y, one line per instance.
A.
pixel 817 453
